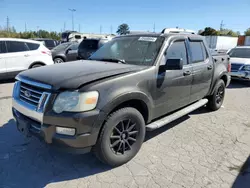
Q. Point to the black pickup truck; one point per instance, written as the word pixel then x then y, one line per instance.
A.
pixel 132 84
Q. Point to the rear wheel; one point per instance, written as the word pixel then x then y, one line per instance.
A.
pixel 216 100
pixel 58 60
pixel 121 137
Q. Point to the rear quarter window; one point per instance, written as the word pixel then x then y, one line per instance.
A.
pixel 32 46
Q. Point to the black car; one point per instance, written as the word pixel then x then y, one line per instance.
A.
pixel 65 52
pixel 49 43
pixel 131 84
pixel 88 46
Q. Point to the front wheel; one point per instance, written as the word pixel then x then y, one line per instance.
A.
pixel 216 100
pixel 121 137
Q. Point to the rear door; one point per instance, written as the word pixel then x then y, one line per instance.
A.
pixel 202 70
pixel 18 57
pixel 2 59
pixel 173 87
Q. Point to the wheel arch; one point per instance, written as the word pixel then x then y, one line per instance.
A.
pixel 222 76
pixel 60 56
pixel 36 63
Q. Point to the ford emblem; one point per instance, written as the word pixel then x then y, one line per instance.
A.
pixel 27 94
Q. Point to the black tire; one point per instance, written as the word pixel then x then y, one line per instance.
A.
pixel 36 65
pixel 216 100
pixel 58 60
pixel 114 148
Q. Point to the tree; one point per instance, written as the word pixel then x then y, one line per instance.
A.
pixel 247 32
pixel 228 32
pixel 209 31
pixel 200 31
pixel 123 29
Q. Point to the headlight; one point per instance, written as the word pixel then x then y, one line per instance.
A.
pixel 75 101
pixel 246 68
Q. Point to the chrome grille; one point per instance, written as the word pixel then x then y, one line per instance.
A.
pixel 235 67
pixel 30 94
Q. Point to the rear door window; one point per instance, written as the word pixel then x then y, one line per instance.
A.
pixel 16 46
pixel 197 52
pixel 2 47
pixel 32 46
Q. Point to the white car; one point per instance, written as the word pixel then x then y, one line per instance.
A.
pixel 17 55
pixel 240 62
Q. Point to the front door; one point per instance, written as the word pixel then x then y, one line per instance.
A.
pixel 173 86
pixel 202 70
pixel 72 52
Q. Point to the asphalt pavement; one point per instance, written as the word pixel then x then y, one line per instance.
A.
pixel 203 149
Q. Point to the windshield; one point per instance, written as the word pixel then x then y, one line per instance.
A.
pixel 62 46
pixel 240 52
pixel 131 50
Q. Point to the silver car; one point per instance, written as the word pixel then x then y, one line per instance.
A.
pixel 240 62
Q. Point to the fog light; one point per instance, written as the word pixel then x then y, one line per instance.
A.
pixel 65 131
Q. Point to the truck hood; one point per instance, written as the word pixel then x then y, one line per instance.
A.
pixel 72 75
pixel 235 60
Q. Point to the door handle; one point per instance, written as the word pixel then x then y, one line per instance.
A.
pixel 209 67
pixel 26 55
pixel 186 73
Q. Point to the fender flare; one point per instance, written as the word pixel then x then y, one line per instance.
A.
pixel 125 97
pixel 223 73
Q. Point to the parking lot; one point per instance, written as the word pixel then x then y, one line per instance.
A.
pixel 203 149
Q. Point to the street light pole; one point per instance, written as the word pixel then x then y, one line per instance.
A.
pixel 72 11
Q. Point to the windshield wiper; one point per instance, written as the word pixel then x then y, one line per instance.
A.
pixel 114 60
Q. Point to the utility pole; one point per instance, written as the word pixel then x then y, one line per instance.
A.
pixel 38 31
pixel 154 27
pixel 100 29
pixel 221 25
pixel 72 11
pixel 8 24
pixel 64 26
pixel 25 27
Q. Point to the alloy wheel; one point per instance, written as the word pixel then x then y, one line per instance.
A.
pixel 123 136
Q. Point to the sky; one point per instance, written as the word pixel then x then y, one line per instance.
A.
pixel 140 15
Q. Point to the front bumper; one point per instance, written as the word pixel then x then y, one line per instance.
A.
pixel 240 75
pixel 81 142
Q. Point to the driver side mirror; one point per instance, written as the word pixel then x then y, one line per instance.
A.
pixel 174 64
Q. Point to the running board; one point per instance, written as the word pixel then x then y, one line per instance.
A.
pixel 165 120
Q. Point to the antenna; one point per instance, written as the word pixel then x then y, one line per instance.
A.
pixel 100 29
pixel 8 24
pixel 154 27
